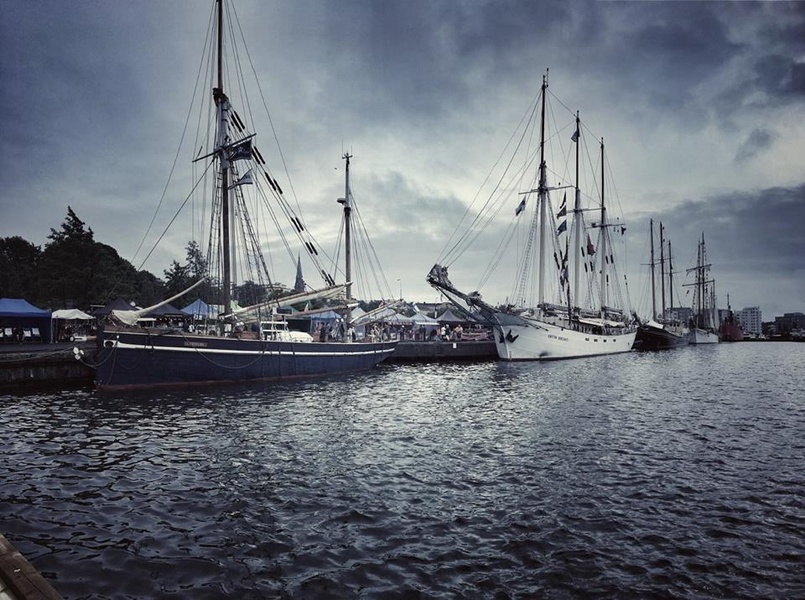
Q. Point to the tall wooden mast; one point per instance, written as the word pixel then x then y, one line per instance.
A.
pixel 347 229
pixel 347 202
pixel 662 271
pixel 222 107
pixel 543 197
pixel 577 221
pixel 602 251
pixel 670 280
pixel 651 270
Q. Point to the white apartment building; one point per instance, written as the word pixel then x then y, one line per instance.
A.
pixel 750 319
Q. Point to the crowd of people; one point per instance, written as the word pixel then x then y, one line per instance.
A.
pixel 384 331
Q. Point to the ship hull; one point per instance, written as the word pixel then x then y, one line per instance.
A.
pixel 144 360
pixel 653 338
pixel 703 336
pixel 731 332
pixel 522 339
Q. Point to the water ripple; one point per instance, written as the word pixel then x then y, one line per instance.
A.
pixel 652 475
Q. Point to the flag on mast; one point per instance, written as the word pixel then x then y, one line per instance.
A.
pixel 247 179
pixel 240 151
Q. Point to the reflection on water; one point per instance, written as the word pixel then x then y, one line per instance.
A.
pixel 669 474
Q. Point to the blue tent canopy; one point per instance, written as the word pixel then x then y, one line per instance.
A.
pixel 199 310
pixel 19 313
pixel 17 307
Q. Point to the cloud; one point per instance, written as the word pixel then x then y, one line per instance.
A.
pixel 696 99
pixel 754 242
pixel 757 141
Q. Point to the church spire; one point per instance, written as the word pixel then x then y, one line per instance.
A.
pixel 299 286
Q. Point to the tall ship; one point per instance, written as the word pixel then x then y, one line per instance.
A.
pixel 704 322
pixel 565 299
pixel 731 330
pixel 236 347
pixel 661 331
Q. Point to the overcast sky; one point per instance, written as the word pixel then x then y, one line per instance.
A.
pixel 702 105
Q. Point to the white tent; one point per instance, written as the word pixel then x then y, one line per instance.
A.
pixel 423 319
pixel 69 314
pixel 64 330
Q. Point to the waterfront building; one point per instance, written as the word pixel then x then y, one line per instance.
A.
pixel 679 314
pixel 750 319
pixel 788 322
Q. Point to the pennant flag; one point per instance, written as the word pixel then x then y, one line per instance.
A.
pixel 240 151
pixel 247 179
pixel 590 247
pixel 520 207
pixel 563 208
pixel 575 136
pixel 562 227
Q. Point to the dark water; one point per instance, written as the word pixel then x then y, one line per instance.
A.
pixel 678 474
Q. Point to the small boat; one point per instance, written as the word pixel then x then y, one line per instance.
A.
pixel 703 325
pixel 661 332
pixel 731 330
pixel 248 343
pixel 565 297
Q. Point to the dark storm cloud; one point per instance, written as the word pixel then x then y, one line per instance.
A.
pixel 780 72
pixel 782 78
pixel 754 242
pixel 426 92
pixel 751 229
pixel 422 61
pixel 758 140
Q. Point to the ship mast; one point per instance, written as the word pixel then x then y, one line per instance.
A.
pixel 670 280
pixel 651 270
pixel 603 250
pixel 543 198
pixel 577 222
pixel 662 272
pixel 347 202
pixel 222 110
pixel 699 288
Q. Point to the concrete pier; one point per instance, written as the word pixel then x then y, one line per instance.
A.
pixel 22 364
pixel 19 580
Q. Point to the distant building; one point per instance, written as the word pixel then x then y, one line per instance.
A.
pixel 783 325
pixel 680 314
pixel 750 319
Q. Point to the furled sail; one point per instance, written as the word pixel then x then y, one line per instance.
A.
pixel 130 317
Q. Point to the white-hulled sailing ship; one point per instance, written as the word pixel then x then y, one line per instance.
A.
pixel 662 330
pixel 563 302
pixel 133 356
pixel 704 323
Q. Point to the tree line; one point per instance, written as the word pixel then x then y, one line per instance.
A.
pixel 73 270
